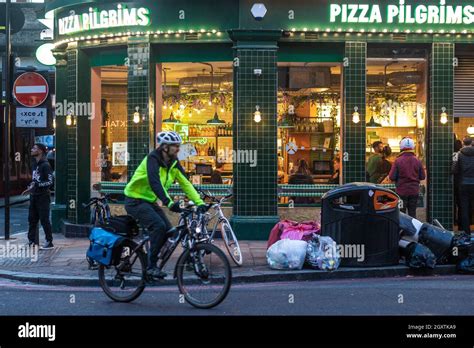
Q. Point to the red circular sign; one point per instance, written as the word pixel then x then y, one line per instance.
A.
pixel 30 89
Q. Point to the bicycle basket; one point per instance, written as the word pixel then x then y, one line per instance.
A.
pixel 123 225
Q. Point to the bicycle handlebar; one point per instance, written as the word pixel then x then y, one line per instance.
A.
pixel 95 200
pixel 213 198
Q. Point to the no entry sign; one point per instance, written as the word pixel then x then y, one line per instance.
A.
pixel 30 89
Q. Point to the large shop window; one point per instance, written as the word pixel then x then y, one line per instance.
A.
pixel 309 112
pixel 396 108
pixel 113 129
pixel 197 103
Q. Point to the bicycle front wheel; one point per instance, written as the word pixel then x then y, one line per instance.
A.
pixel 125 281
pixel 204 276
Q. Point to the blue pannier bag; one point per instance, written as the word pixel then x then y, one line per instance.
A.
pixel 105 247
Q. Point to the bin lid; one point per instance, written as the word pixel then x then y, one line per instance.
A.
pixel 355 187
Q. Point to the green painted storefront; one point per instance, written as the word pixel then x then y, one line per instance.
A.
pixel 211 30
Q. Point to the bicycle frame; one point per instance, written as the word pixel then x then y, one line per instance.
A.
pixel 184 236
pixel 221 217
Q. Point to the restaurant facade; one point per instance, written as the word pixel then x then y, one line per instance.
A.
pixel 254 88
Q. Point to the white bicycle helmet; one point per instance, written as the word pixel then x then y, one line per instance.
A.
pixel 407 144
pixel 169 138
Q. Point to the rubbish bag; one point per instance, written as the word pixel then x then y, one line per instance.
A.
pixel 287 254
pixel 439 241
pixel 288 229
pixel 410 226
pixel 322 253
pixel 462 247
pixel 418 256
pixel 466 265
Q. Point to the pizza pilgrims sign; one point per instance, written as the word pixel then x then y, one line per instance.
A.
pixel 31 89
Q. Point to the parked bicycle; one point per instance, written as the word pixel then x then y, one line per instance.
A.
pixel 100 211
pixel 99 215
pixel 222 225
pixel 202 271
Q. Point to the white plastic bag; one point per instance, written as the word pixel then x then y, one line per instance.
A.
pixel 322 253
pixel 287 254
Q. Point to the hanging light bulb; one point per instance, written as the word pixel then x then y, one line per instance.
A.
pixel 69 119
pixel 257 116
pixel 136 115
pixel 470 129
pixel 209 103
pixel 356 115
pixel 54 123
pixel 165 106
pixel 444 116
pixel 222 110
pixel 190 114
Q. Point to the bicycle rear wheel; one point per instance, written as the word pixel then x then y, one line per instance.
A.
pixel 126 281
pixel 231 243
pixel 204 276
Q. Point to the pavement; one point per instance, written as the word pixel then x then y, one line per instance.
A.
pixel 66 265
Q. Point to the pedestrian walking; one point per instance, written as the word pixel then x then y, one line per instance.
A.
pixel 463 167
pixel 374 163
pixel 40 197
pixel 407 172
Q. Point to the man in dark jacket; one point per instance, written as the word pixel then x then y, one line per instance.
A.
pixel 464 168
pixel 40 197
pixel 407 172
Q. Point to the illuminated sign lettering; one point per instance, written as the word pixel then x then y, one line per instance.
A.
pixel 402 13
pixel 103 19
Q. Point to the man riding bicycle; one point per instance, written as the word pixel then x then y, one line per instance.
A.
pixel 150 182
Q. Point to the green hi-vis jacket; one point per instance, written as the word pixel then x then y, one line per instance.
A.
pixel 153 178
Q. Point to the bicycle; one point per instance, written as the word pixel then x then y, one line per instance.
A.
pixel 99 215
pixel 230 240
pixel 202 271
pixel 101 210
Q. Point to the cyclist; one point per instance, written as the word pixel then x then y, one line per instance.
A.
pixel 150 182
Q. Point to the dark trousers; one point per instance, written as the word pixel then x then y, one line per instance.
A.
pixel 466 196
pixel 39 211
pixel 409 203
pixel 153 218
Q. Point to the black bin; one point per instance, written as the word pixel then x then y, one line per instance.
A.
pixel 363 219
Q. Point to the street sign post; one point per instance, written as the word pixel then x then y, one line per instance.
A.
pixel 31 89
pixel 6 118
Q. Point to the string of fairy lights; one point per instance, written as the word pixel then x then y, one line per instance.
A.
pixel 293 32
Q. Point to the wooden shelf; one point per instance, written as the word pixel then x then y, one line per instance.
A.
pixel 312 133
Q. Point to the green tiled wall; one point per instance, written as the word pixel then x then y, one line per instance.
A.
pixel 139 94
pixel 255 206
pixel 256 193
pixel 440 141
pixel 71 169
pixel 353 145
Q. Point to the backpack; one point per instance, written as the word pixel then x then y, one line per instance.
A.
pixel 105 247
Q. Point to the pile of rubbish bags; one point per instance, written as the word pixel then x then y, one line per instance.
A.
pixel 423 245
pixel 293 245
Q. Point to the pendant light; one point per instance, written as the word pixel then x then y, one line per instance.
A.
pixel 171 119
